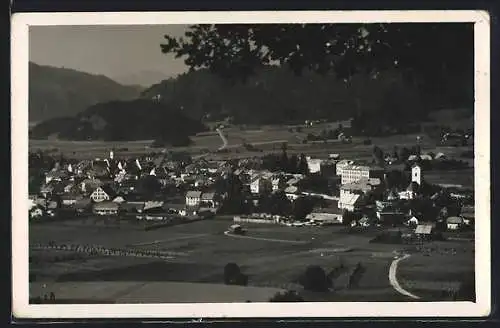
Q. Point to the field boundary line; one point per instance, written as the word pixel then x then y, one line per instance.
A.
pixel 301 242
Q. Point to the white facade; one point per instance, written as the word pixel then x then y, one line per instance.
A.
pixel 416 174
pixel 106 211
pixel 407 194
pixel 193 198
pixel 99 195
pixel 314 165
pixel 278 183
pixel 260 185
pixel 354 173
pixel 348 199
pixel 324 216
pixel 69 201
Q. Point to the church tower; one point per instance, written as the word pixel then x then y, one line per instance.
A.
pixel 416 174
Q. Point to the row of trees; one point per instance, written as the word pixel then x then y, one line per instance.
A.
pixel 284 163
pixel 428 79
pixel 140 119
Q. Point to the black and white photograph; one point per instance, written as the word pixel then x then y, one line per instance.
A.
pixel 214 164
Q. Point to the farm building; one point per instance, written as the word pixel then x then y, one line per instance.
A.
pixel 454 223
pixel 103 193
pixel 106 208
pixel 193 198
pixel 425 231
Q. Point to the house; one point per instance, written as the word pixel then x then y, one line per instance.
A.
pixel 83 205
pixel 47 190
pixel 69 188
pixel 454 223
pixel 412 221
pixel 208 200
pixel 55 176
pixel 351 194
pixel 131 207
pixel 193 198
pixel 106 208
pixel 152 206
pixel 467 213
pixel 260 185
pixel 36 212
pixel 411 191
pixel 314 164
pixel 69 199
pixel 352 173
pixel 88 185
pixel 103 193
pixel 330 214
pixel 292 193
pixel 119 199
pixel 393 217
pixel 278 183
pixel 364 222
pixel 425 231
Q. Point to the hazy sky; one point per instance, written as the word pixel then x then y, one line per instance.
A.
pixel 114 51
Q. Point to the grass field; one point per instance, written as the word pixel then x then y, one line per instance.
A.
pixel 266 139
pixel 205 250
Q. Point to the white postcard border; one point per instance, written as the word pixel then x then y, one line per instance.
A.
pixel 19 120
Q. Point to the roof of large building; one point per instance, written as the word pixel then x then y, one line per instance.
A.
pixel 424 229
pixel 207 196
pixel 455 220
pixel 361 185
pixel 107 205
pixel 193 194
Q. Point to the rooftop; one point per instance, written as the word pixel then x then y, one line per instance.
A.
pixel 193 194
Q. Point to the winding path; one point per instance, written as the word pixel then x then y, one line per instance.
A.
pixel 297 242
pixel 394 281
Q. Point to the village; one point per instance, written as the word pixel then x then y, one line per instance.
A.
pixel 391 192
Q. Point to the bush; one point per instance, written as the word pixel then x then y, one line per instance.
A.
pixel 315 279
pixel 233 275
pixel 288 296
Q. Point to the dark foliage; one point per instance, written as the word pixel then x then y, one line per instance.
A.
pixel 124 120
pixel 303 206
pixel 315 279
pixel 238 52
pixel 234 276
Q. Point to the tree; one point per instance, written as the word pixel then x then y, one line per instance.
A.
pixel 231 273
pixel 238 50
pixel 315 279
pixel 302 166
pixel 301 207
pixel 149 185
pixel 404 153
pixel 378 155
pixel 394 179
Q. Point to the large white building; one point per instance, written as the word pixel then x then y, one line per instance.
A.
pixel 351 173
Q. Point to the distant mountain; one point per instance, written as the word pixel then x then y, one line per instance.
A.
pixel 139 119
pixel 59 92
pixel 142 78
